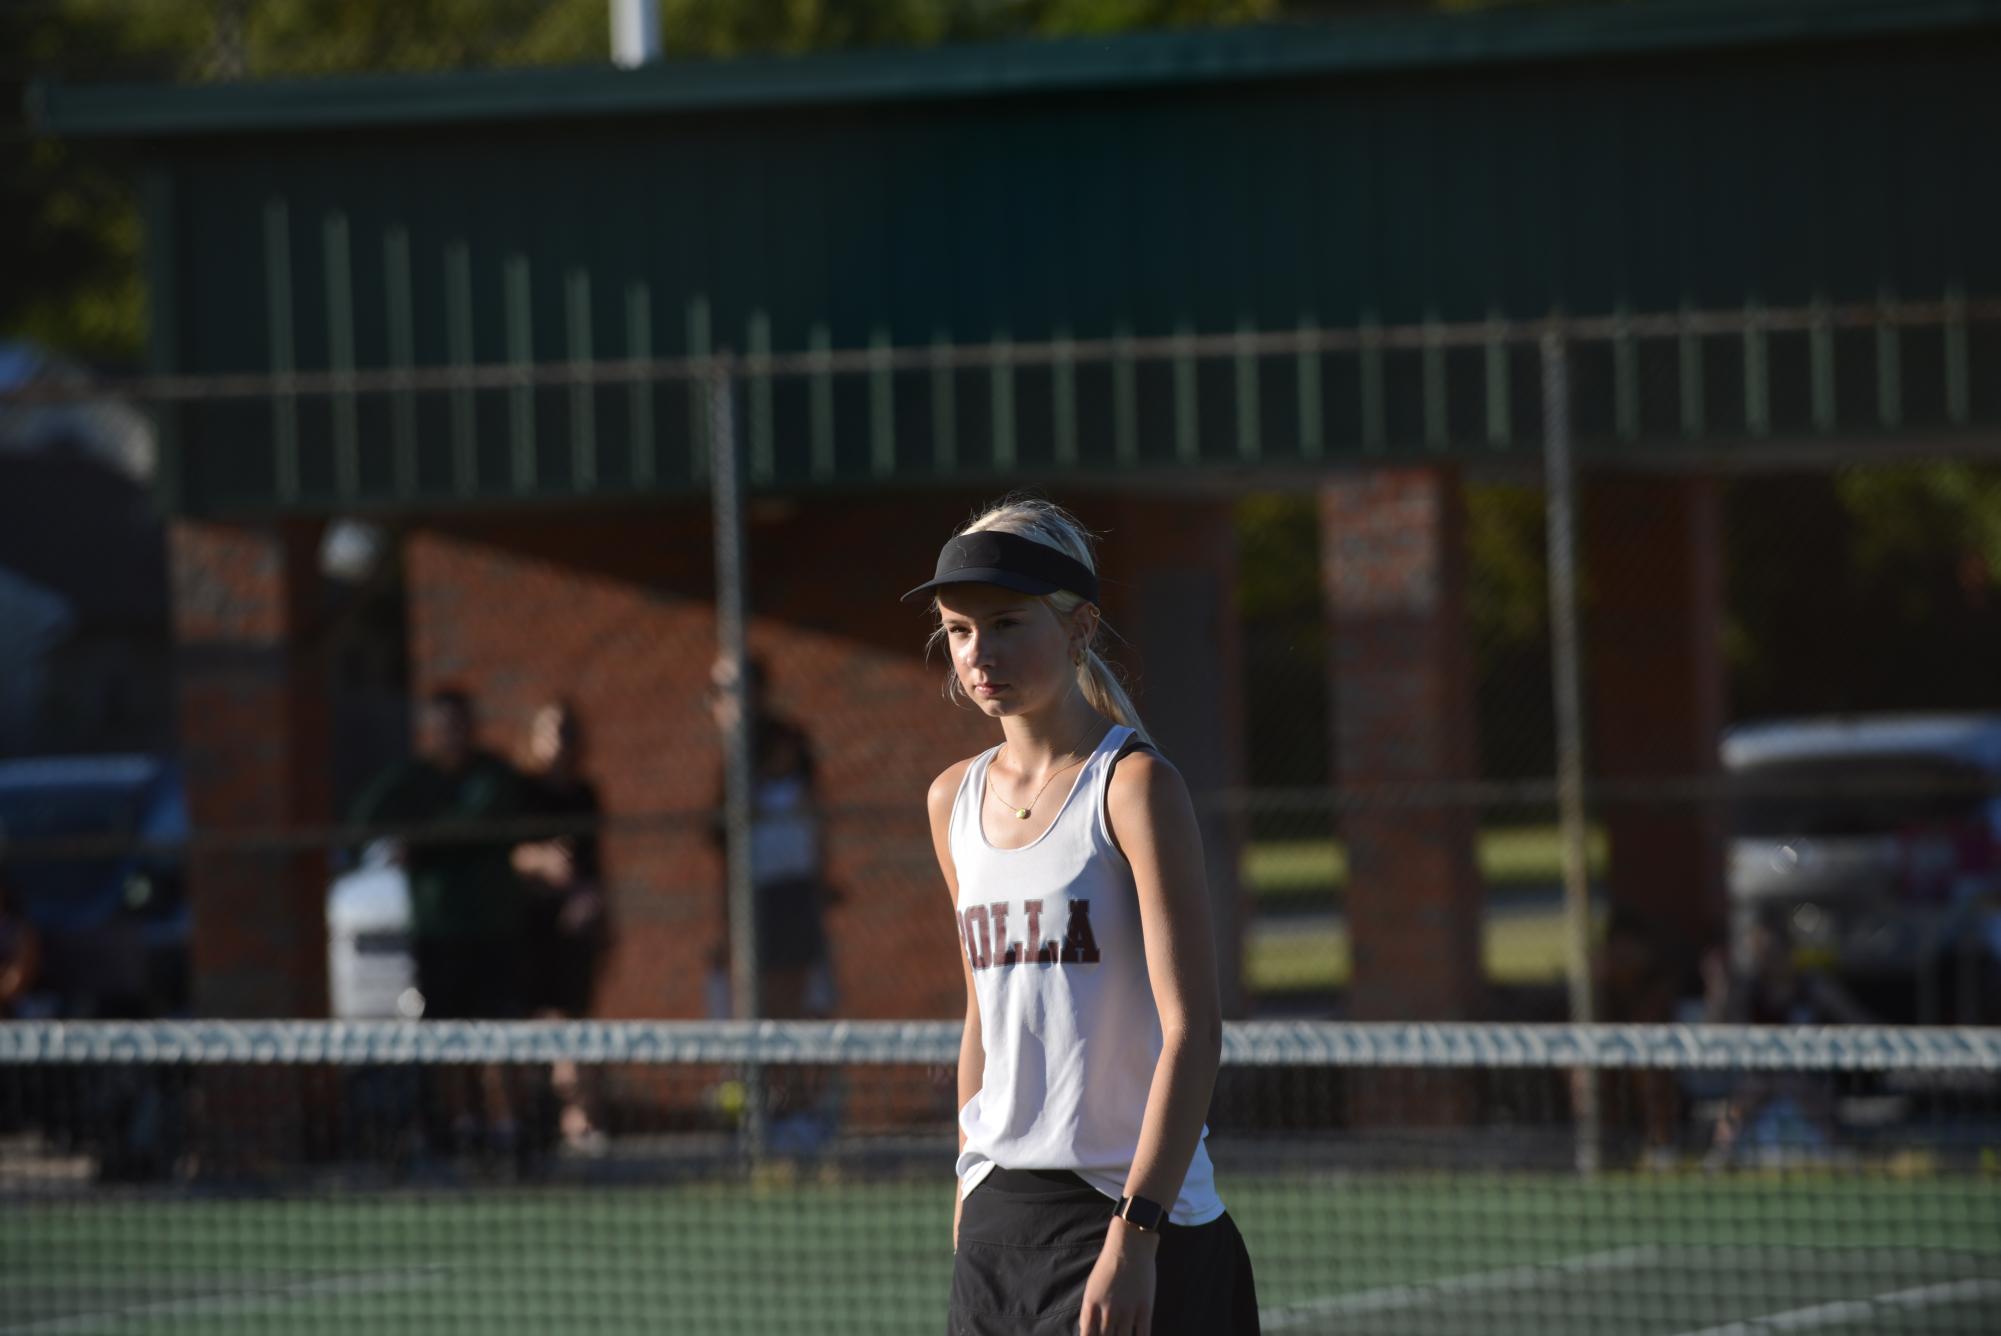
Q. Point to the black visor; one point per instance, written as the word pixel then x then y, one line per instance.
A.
pixel 1010 561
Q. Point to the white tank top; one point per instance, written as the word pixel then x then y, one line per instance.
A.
pixel 1066 1007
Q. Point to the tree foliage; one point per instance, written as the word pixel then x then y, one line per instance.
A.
pixel 1872 588
pixel 70 227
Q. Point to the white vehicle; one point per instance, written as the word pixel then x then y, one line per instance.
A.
pixel 371 974
pixel 1874 842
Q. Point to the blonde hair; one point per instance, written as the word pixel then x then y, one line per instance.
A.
pixel 1043 521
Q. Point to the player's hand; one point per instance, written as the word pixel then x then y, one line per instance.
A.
pixel 1118 1298
pixel 958 1209
pixel 560 863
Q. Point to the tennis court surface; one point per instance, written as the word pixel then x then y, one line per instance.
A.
pixel 796 1178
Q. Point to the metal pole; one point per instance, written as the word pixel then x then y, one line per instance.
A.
pixel 731 614
pixel 1558 486
pixel 635 32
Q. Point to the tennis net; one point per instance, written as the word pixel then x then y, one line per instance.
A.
pixel 797 1177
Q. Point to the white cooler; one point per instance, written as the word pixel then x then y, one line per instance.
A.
pixel 370 972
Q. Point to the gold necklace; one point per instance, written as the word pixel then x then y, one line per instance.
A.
pixel 1022 813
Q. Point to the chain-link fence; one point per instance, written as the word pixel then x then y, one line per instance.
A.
pixel 1600 670
pixel 1776 513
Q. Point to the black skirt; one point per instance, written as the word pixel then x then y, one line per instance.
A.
pixel 1028 1239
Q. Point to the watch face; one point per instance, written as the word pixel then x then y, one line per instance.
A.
pixel 1143 1213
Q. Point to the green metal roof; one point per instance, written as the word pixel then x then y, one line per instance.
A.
pixel 1358 46
pixel 1413 172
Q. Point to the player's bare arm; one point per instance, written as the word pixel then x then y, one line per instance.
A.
pixel 938 801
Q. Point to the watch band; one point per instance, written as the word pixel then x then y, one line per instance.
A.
pixel 1142 1214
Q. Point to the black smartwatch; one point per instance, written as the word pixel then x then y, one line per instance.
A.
pixel 1142 1214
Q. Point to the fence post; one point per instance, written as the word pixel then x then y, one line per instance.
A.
pixel 732 614
pixel 1559 485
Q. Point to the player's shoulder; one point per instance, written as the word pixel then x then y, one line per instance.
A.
pixel 1142 775
pixel 945 788
pixel 1138 764
pixel 1144 796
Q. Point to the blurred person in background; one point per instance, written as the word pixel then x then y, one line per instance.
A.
pixel 786 861
pixel 1640 974
pixel 20 965
pixel 567 930
pixel 793 896
pixel 20 957
pixel 128 1116
pixel 467 906
pixel 1775 1114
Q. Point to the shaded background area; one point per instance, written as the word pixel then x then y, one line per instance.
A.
pixel 1297 304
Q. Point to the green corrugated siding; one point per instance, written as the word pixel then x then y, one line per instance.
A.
pixel 1772 174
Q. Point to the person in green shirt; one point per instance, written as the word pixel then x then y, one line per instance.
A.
pixel 467 905
pixel 468 908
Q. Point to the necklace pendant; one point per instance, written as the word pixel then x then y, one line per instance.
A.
pixel 1021 813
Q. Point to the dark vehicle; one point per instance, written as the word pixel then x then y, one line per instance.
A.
pixel 1874 843
pixel 93 846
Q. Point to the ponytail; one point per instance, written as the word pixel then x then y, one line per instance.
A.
pixel 1102 688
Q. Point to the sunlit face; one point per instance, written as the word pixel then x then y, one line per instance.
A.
pixel 1011 651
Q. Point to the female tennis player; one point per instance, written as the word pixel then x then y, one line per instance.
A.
pixel 1086 1203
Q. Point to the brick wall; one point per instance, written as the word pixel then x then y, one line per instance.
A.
pixel 612 609
pixel 252 710
pixel 253 731
pixel 1655 679
pixel 1394 574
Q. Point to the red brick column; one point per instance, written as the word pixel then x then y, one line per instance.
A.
pixel 253 726
pixel 253 729
pixel 1654 674
pixel 1393 567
